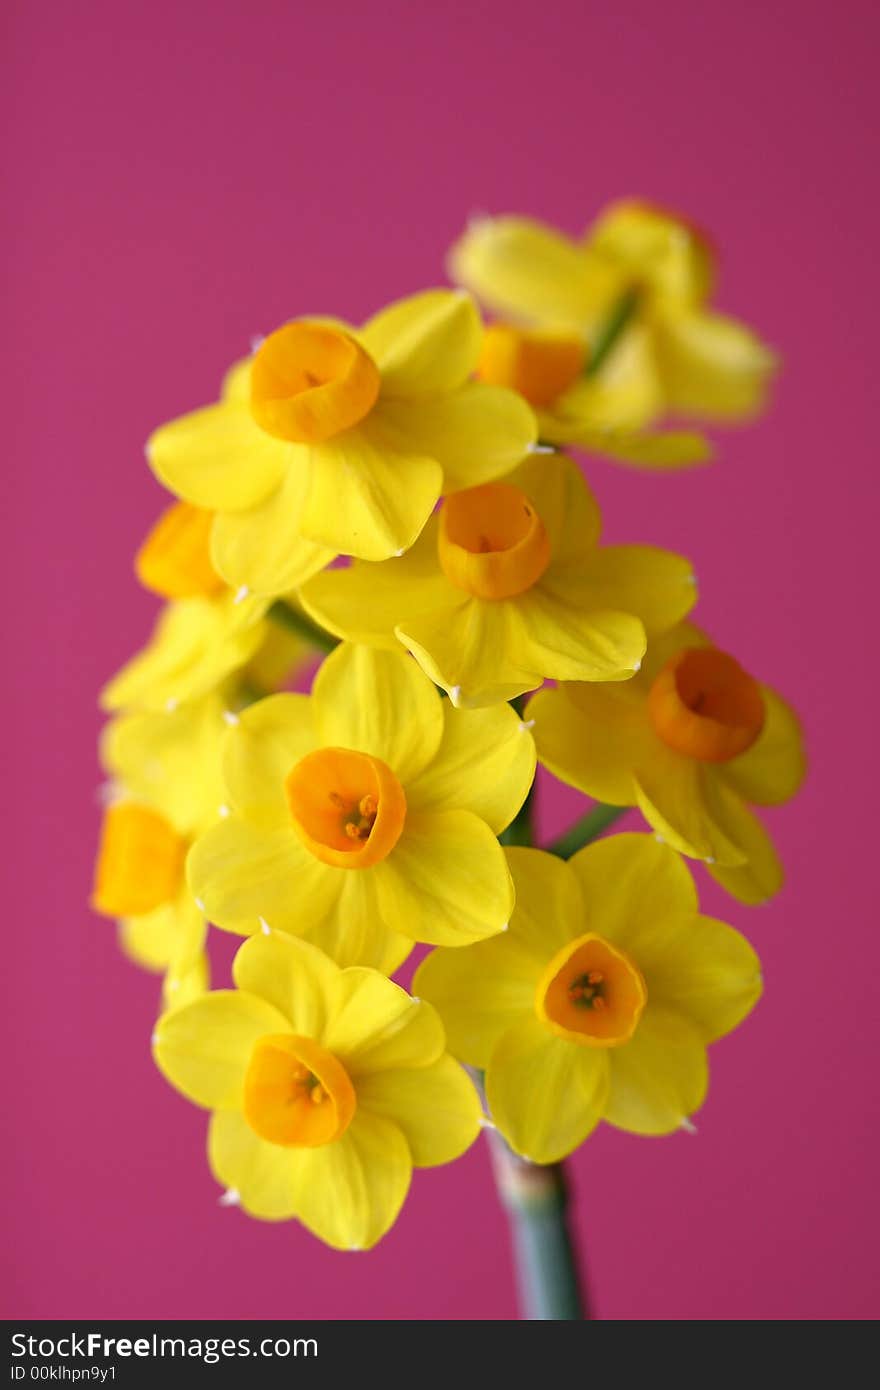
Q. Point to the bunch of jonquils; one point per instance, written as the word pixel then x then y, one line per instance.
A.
pixel 404 504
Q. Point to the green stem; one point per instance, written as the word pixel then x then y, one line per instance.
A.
pixel 535 1198
pixel 611 330
pixel 588 828
pixel 295 621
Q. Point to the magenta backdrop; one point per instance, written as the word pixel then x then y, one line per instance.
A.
pixel 184 176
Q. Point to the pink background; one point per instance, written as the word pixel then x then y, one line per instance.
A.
pixel 184 176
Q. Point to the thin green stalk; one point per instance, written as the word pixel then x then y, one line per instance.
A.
pixel 588 828
pixel 611 330
pixel 296 621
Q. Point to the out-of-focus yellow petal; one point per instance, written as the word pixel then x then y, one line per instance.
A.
pixel 477 434
pixel 713 367
pixel 262 1174
pixel 365 501
pixel 485 764
pixel 630 882
pixel 204 1048
pixel 762 875
pixel 378 702
pixel 436 1107
pixel 545 1094
pixel 185 983
pixel 479 991
pixel 375 1025
pixel 660 450
pixel 627 391
pixel 218 458
pixel 263 549
pixel 656 586
pixel 590 736
pixel 298 980
pixel 170 761
pixel 526 270
pixel 242 872
pixel 655 249
pixel 673 794
pixel 694 966
pixel 236 384
pixel 659 1077
pixel 365 602
pixel 171 936
pixel 280 657
pixel 349 1193
pixel 425 344
pixel 269 738
pixel 194 646
pixel 772 770
pixel 447 881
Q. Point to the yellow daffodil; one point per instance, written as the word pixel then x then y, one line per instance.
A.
pixel 508 585
pixel 600 1000
pixel 205 634
pixel 327 1087
pixel 165 788
pixel 336 439
pixel 692 740
pixel 365 815
pixel 675 354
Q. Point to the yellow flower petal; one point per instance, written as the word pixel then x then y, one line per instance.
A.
pixel 561 497
pixel 662 449
pixel 657 250
pixel 424 344
pixel 436 1107
pixel 713 367
pixel 469 651
pixel 242 872
pixel 626 393
pixel 591 735
pixel 353 931
pixel 262 1174
pixel 485 764
pixel 479 991
pixel 376 1025
pixel 295 978
pixel 365 602
pixel 170 761
pixel 171 936
pixel 694 966
pixel 525 270
pixel 545 1094
pixel 378 702
pixel 762 875
pixel 263 549
pixel 446 882
pixel 477 434
pixel 204 1048
pixel 656 586
pixel 182 985
pixel 218 458
pixel 549 907
pixel 659 1077
pixel 629 883
pixel 365 501
pixel 554 637
pixel 236 384
pixel 673 794
pixel 269 738
pixel 772 770
pixel 349 1193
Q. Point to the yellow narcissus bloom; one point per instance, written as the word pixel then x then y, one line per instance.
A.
pixel 365 815
pixel 206 637
pixel 507 586
pixel 600 1000
pixel 165 789
pixel 327 1087
pixel 336 439
pixel 675 354
pixel 692 740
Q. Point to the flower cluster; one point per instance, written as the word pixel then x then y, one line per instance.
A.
pixel 395 496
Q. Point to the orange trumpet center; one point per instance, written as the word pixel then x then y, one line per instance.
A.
pixel 539 363
pixel 703 704
pixel 140 861
pixel 591 993
pixel 175 558
pixel 310 381
pixel 296 1093
pixel 347 808
pixel 491 541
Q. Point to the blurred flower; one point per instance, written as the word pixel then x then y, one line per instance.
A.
pixel 508 585
pixel 690 740
pixel 357 816
pixel 674 355
pixel 335 439
pixel 600 1000
pixel 327 1086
